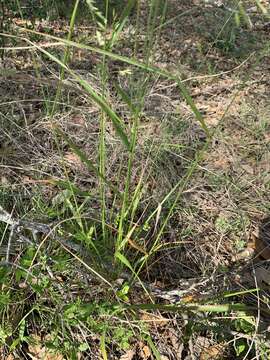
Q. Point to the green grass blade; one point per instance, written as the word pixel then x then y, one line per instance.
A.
pixel 153 348
pixel 87 162
pixel 65 58
pixel 123 18
pixel 217 308
pixel 125 261
pixel 136 63
pixel 103 346
pixel 99 100
pixel 194 108
pixel 124 96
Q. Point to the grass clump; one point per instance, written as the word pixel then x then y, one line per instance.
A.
pixel 133 186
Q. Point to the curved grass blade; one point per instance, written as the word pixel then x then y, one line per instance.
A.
pixel 87 162
pixel 99 100
pixel 139 64
pixel 125 261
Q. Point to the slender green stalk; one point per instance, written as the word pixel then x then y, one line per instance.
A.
pixel 102 146
pixel 150 29
pixel 140 95
pixel 123 215
pixel 65 58
pixel 19 8
pixel 137 26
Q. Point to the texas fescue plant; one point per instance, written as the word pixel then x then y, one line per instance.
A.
pixel 97 214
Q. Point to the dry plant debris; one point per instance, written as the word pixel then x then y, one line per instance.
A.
pixel 209 242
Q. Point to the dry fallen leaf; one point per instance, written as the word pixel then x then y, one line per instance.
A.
pixel 129 355
pixel 221 163
pixel 37 350
pixel 73 160
pixel 215 352
pixel 246 254
pixel 78 120
pixel 157 320
pixel 10 357
pixel 144 351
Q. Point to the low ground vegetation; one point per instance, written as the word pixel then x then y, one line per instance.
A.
pixel 134 172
